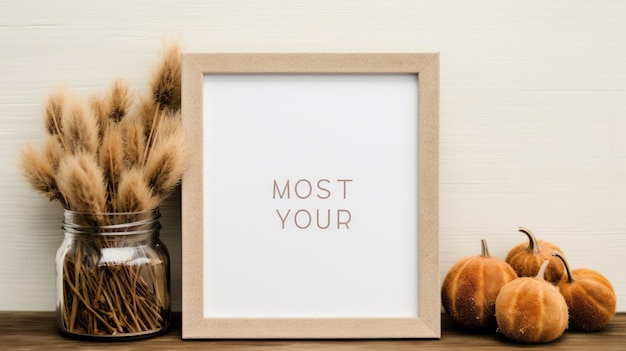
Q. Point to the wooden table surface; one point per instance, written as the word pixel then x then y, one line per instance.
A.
pixel 37 331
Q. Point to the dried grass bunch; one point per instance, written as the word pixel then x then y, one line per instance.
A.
pixel 104 154
pixel 112 153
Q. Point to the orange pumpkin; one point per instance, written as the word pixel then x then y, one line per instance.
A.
pixel 527 258
pixel 589 296
pixel 531 310
pixel 470 288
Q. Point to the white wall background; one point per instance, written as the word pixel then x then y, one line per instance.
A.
pixel 533 110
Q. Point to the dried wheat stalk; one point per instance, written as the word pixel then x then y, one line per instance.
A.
pixel 112 153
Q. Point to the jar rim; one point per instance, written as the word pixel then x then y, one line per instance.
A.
pixel 109 223
pixel 155 209
pixel 147 231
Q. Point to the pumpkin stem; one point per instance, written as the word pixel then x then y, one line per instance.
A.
pixel 484 249
pixel 570 276
pixel 542 270
pixel 533 245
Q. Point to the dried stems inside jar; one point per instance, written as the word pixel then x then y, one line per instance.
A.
pixel 120 294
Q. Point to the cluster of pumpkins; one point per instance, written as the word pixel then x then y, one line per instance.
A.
pixel 532 296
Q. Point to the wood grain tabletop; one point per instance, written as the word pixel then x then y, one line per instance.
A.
pixel 38 331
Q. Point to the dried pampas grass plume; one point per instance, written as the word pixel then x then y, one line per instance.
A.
pixel 120 100
pixel 134 194
pixel 166 78
pixel 54 113
pixel 148 114
pixel 53 151
pixel 111 160
pixel 165 87
pixel 80 128
pixel 166 164
pixel 112 107
pixel 134 142
pixel 40 174
pixel 82 182
pixel 170 126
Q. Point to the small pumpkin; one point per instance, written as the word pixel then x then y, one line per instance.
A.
pixel 589 296
pixel 527 258
pixel 531 310
pixel 470 288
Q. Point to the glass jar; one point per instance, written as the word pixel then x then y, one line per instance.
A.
pixel 113 276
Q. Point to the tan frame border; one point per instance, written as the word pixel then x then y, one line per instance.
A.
pixel 428 323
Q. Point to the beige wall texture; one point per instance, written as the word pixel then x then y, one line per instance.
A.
pixel 532 118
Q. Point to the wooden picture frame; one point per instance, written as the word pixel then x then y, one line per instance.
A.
pixel 198 208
